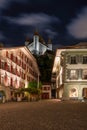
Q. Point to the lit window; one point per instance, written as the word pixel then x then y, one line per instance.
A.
pixel 84 74
pixel 73 74
pixel 2 65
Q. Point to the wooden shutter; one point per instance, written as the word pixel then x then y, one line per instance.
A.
pixel 68 73
pixel 68 59
pixel 80 59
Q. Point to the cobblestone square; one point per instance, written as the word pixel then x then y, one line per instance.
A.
pixel 43 115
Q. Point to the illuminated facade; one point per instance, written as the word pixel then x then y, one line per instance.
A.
pixel 17 68
pixel 38 46
pixel 46 91
pixel 69 74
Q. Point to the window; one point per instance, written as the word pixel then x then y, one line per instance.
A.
pixel 73 74
pixel 3 65
pixel 7 54
pixel 73 59
pixel 84 59
pixel 84 74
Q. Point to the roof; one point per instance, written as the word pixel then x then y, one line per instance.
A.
pixel 36 33
pixel 81 45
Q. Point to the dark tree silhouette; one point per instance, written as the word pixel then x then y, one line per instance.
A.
pixel 45 63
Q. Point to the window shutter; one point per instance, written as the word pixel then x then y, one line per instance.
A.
pixel 68 73
pixel 80 59
pixel 80 73
pixel 77 73
pixel 77 59
pixel 68 59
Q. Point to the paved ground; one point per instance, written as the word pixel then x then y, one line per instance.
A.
pixel 43 115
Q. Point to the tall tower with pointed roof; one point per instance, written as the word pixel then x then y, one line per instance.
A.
pixel 38 46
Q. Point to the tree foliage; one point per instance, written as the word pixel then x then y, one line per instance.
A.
pixel 45 63
pixel 34 88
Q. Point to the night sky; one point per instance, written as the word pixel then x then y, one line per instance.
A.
pixel 64 21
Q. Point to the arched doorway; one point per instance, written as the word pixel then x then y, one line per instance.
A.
pixel 84 93
pixel 2 96
pixel 73 93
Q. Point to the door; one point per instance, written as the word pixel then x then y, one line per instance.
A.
pixel 85 92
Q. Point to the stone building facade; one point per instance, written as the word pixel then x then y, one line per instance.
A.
pixel 70 69
pixel 46 91
pixel 17 68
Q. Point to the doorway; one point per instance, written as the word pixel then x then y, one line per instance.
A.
pixel 85 93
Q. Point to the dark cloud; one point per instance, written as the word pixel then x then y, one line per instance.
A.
pixel 6 3
pixel 63 21
pixel 33 19
pixel 28 22
pixel 1 36
pixel 78 26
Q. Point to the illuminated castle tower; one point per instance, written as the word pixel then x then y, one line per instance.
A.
pixel 38 46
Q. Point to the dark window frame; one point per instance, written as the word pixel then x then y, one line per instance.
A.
pixel 73 60
pixel 84 59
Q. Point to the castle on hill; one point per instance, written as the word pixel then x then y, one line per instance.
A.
pixel 38 46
